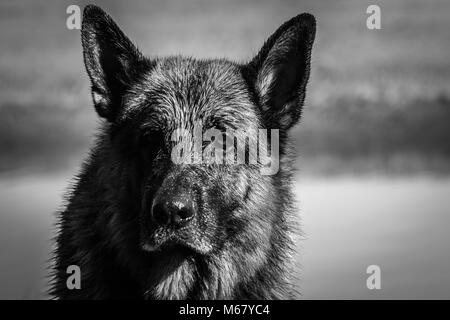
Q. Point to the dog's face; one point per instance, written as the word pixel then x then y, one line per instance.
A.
pixel 152 105
pixel 186 202
pixel 182 202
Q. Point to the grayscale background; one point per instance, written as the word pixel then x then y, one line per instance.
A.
pixel 374 143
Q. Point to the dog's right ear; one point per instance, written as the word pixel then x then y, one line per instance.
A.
pixel 111 60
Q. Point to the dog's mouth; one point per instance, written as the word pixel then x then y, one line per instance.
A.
pixel 165 240
pixel 172 245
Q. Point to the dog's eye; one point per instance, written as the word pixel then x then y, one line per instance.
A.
pixel 150 145
pixel 151 141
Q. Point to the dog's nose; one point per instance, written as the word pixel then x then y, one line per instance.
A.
pixel 175 210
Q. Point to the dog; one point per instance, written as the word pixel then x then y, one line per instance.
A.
pixel 140 225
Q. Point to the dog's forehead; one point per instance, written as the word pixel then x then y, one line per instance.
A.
pixel 177 92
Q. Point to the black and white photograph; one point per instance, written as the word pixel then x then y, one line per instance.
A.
pixel 225 150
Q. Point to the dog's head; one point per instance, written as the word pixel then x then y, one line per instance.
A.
pixel 167 117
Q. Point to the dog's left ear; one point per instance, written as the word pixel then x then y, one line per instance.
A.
pixel 280 71
pixel 111 60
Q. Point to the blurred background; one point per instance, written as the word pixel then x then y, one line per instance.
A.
pixel 373 183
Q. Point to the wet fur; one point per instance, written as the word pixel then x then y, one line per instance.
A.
pixel 247 222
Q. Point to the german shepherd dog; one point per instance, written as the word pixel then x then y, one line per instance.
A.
pixel 141 226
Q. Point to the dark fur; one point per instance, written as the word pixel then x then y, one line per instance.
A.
pixel 240 244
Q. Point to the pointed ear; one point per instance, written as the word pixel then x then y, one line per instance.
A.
pixel 111 60
pixel 280 71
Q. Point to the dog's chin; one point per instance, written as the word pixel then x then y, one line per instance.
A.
pixel 172 246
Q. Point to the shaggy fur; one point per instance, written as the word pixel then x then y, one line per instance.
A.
pixel 238 244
